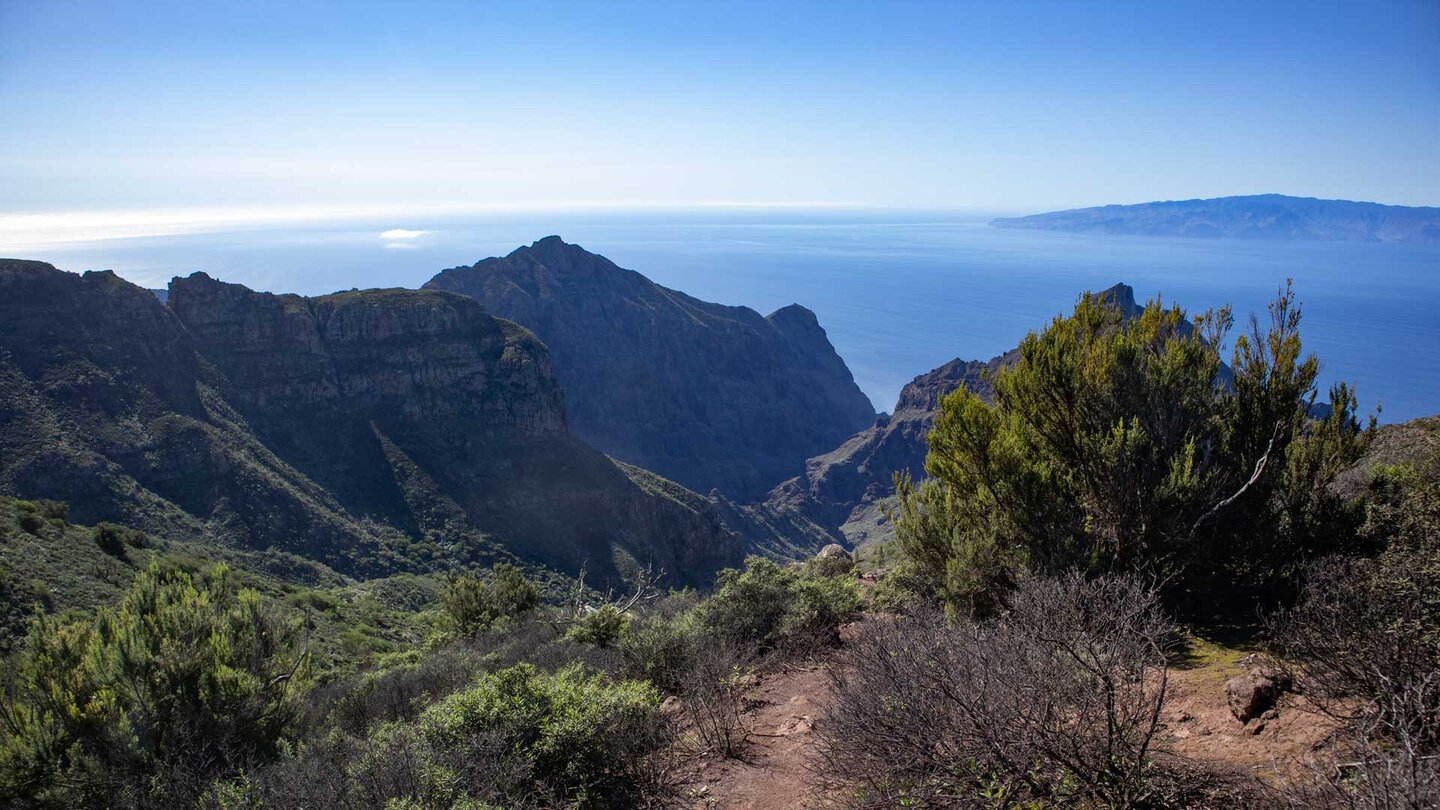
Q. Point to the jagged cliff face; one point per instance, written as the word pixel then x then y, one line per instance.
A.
pixel 708 395
pixel 381 353
pixel 346 428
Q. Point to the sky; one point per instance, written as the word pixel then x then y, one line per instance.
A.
pixel 224 109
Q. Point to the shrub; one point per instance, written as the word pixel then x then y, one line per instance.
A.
pixel 581 737
pixel 767 606
pixel 904 589
pixel 659 649
pixel 832 561
pixel 601 627
pixel 476 604
pixel 1366 635
pixel 819 605
pixel 20 600
pixel 717 679
pixel 111 539
pixel 187 679
pixel 947 554
pixel 1053 703
pixel 515 738
pixel 32 515
pixel 1120 444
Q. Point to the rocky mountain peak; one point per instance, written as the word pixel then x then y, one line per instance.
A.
pixel 712 396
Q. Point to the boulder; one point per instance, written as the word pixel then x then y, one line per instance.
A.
pixel 833 560
pixel 1254 693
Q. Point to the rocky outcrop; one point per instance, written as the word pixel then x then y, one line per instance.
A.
pixel 1255 692
pixel 709 395
pixel 370 430
pixel 842 492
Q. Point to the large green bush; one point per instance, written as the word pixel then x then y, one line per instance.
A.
pixel 601 627
pixel 475 604
pixel 767 606
pixel 513 738
pixel 186 679
pixel 580 735
pixel 1121 444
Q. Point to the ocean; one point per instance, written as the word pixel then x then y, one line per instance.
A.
pixel 899 293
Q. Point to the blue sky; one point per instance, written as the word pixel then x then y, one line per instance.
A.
pixel 992 106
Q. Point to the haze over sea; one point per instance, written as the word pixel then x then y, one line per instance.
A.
pixel 898 292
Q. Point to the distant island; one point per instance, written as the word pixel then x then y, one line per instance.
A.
pixel 1260 216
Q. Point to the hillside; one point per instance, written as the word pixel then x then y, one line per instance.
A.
pixel 711 396
pixel 373 431
pixel 1261 216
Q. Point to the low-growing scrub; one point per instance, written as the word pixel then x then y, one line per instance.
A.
pixel 1363 643
pixel 476 604
pixel 516 738
pixel 1055 702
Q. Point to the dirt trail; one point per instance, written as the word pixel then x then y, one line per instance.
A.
pixel 786 705
pixel 773 774
pixel 1197 724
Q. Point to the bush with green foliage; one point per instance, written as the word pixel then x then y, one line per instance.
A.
pixel 514 738
pixel 475 604
pixel 1366 636
pixel 600 627
pixel 187 679
pixel 580 735
pixel 113 539
pixel 660 649
pixel 33 515
pixel 1118 444
pixel 767 606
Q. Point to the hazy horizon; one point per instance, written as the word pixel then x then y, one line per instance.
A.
pixel 1008 108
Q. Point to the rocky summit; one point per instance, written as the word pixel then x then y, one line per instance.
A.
pixel 371 430
pixel 712 396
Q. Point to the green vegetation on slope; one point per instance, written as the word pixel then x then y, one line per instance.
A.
pixel 197 684
pixel 1116 445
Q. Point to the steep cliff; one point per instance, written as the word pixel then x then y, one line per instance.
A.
pixel 371 430
pixel 711 396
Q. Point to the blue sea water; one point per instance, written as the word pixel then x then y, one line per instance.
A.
pixel 898 292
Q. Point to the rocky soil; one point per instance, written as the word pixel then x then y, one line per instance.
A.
pixel 1288 744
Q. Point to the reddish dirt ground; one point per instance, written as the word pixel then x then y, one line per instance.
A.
pixel 1197 724
pixel 773 775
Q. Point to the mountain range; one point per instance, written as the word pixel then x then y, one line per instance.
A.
pixel 376 431
pixel 373 431
pixel 1261 216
